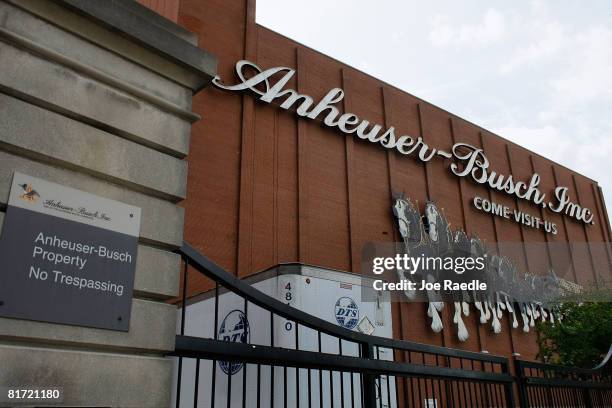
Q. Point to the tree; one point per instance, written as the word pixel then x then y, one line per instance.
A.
pixel 581 339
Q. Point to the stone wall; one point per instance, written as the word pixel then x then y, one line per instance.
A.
pixel 97 96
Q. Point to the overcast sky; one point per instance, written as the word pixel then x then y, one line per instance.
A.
pixel 536 72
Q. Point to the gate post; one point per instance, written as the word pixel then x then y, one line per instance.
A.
pixel 509 385
pixel 520 382
pixel 96 96
pixel 586 396
pixel 368 381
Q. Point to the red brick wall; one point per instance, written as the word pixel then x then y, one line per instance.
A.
pixel 266 187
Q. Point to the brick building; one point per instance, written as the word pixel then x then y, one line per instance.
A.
pixel 267 186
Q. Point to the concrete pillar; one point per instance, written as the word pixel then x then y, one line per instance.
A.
pixel 96 95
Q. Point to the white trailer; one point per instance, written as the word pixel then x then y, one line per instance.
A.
pixel 330 295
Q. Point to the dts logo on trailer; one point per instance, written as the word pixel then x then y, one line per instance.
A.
pixel 234 328
pixel 29 194
pixel 347 312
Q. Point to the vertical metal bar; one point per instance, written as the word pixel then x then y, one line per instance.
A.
pixel 470 384
pixel 388 392
pixel 500 390
pixel 567 398
pixel 215 336
pixel 466 391
pixel 309 388
pixel 272 386
pixel 549 397
pixel 578 401
pixel 229 386
pixel 448 386
pixel 180 359
pixel 468 395
pixel 216 328
pixel 545 401
pixel 244 385
pixel 460 397
pixel 258 385
pixel 508 387
pixel 320 372
pixel 537 398
pixel 362 395
pixel 427 383
pixel 405 384
pixel 297 369
pixel 471 394
pixel 178 382
pixel 588 402
pixel 271 329
pixel 352 389
pixel 493 394
pixel 530 397
pixel 396 391
pixel 521 385
pixel 487 394
pixel 341 376
pixel 271 366
pixel 368 381
pixel 184 295
pixel 558 396
pixel 420 400
pixel 285 386
pixel 379 386
pixel 541 397
pixel 482 393
pixel 331 388
pixel 197 383
pixel 463 386
pixel 598 397
pixel 448 392
pixel 244 372
pixel 574 401
pixel 439 393
pixel 213 383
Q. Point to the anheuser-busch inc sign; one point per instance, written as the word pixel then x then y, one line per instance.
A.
pixel 467 160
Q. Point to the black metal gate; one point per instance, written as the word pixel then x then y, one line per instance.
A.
pixel 340 368
pixel 546 385
pixel 413 374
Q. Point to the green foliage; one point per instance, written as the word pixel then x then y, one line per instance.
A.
pixel 582 338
